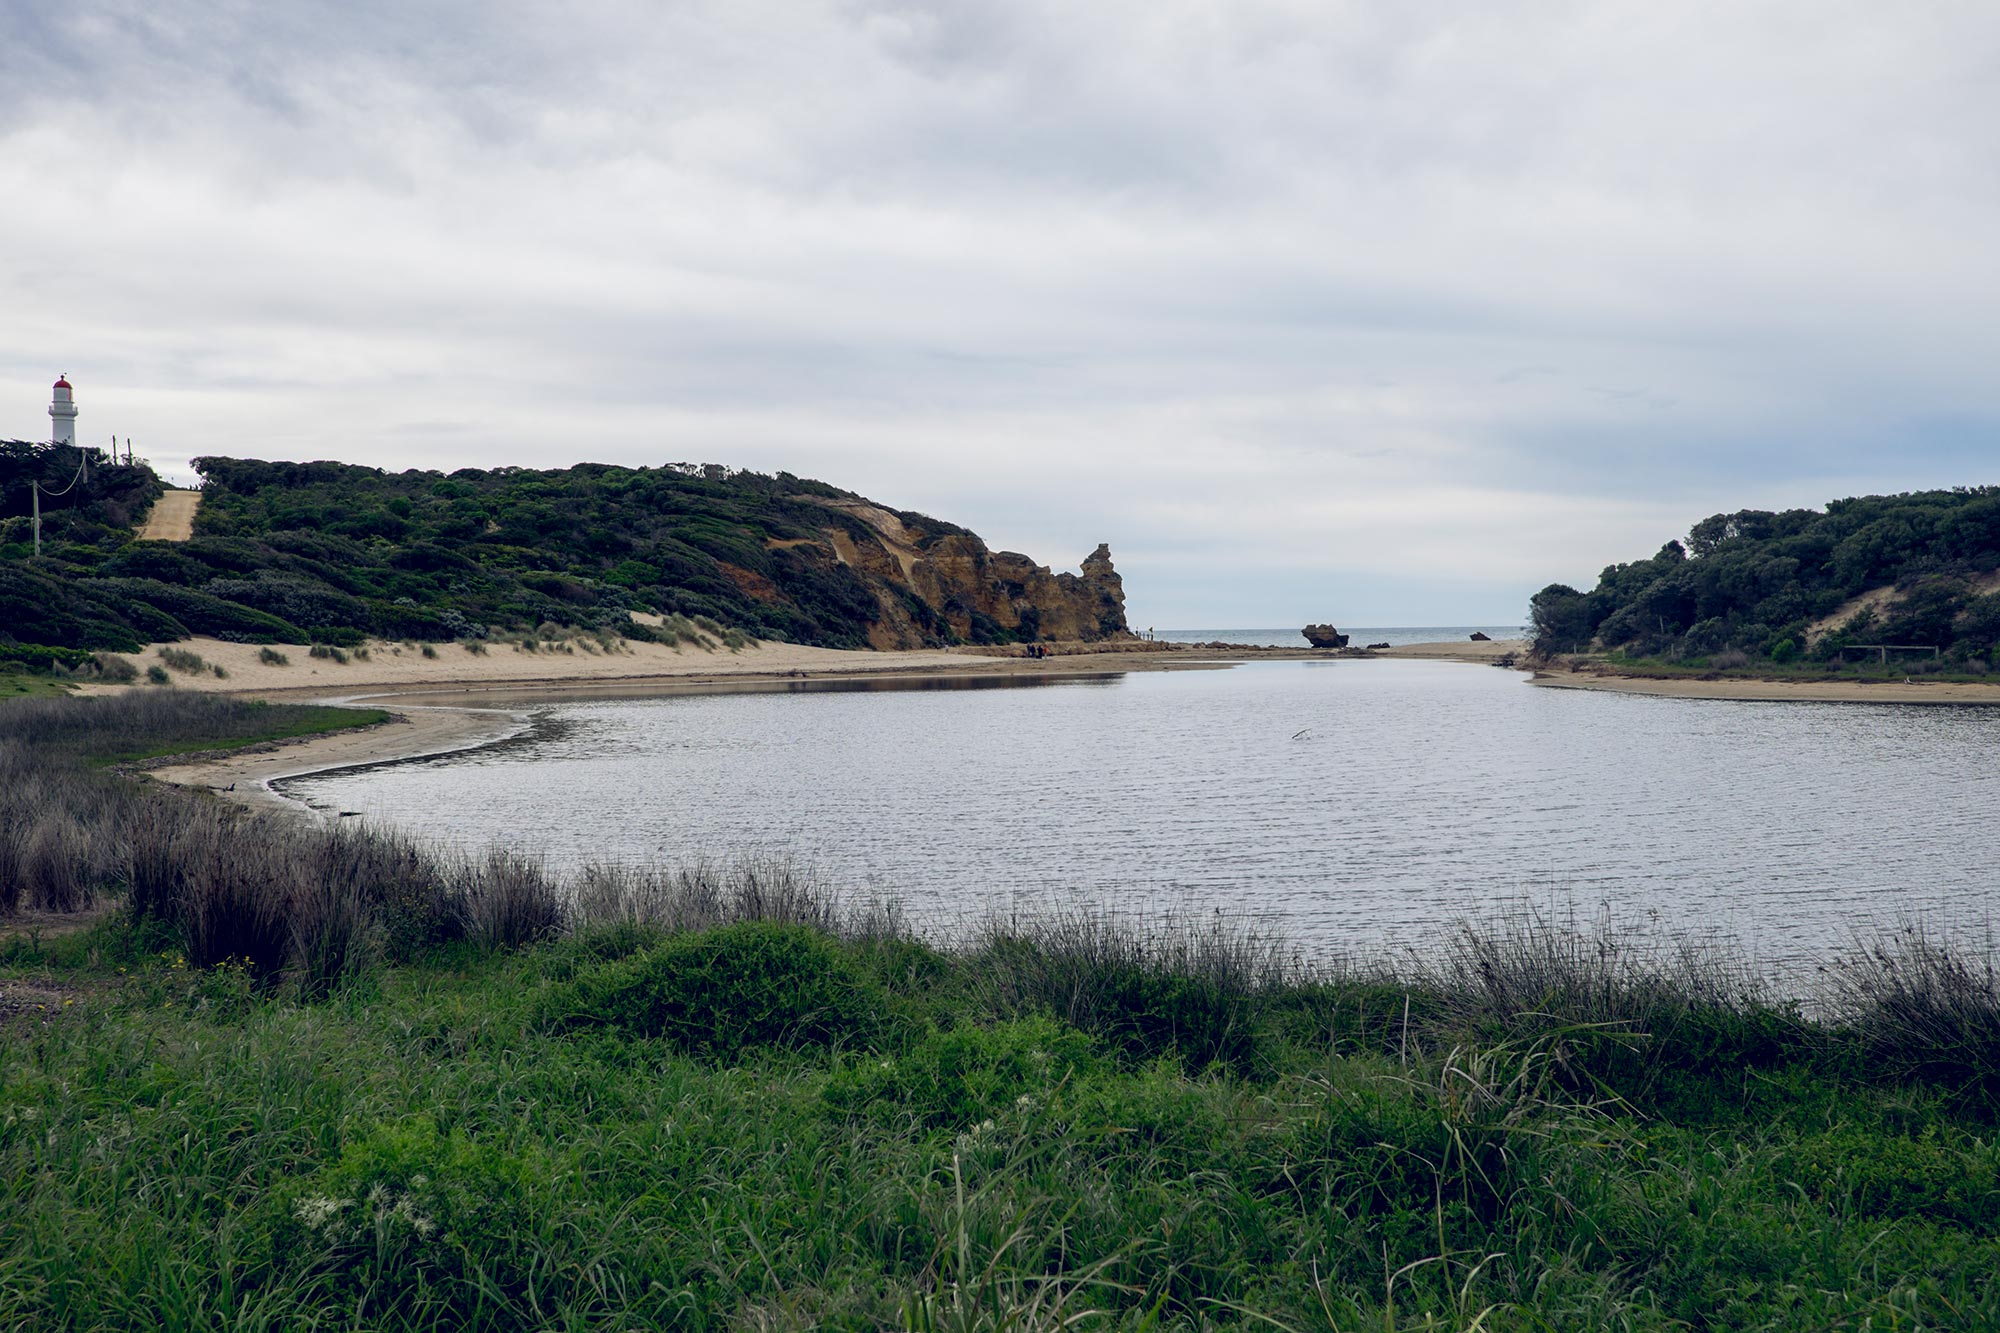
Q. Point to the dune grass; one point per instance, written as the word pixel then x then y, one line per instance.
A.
pixel 446 1092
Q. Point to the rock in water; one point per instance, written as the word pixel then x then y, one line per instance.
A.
pixel 1324 636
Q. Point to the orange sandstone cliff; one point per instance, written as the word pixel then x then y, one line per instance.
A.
pixel 936 584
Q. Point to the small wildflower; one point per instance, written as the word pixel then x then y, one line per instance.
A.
pixel 316 1210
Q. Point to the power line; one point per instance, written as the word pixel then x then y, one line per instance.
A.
pixel 35 493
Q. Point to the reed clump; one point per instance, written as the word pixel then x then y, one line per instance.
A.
pixel 1173 986
pixel 1926 1007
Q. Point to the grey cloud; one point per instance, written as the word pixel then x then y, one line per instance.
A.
pixel 1233 282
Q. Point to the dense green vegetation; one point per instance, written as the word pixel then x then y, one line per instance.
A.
pixel 1753 582
pixel 329 552
pixel 432 1093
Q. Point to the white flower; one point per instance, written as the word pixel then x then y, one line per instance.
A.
pixel 316 1210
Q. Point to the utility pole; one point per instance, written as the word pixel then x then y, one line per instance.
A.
pixel 35 490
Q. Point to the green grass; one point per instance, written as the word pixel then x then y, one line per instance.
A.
pixel 23 685
pixel 429 1149
pixel 295 720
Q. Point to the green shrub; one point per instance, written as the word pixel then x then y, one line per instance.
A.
pixel 39 657
pixel 1784 651
pixel 272 657
pixel 1198 1019
pixel 411 1215
pixel 111 667
pixel 430 651
pixel 1889 1176
pixel 1175 990
pixel 720 992
pixel 180 659
pixel 956 1079
pixel 157 674
pixel 327 650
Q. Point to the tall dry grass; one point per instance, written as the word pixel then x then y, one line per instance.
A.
pixel 705 893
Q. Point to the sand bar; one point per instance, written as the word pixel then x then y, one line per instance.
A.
pixel 409 734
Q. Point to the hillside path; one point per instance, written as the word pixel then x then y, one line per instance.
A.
pixel 172 519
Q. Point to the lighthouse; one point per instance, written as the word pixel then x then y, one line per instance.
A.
pixel 62 414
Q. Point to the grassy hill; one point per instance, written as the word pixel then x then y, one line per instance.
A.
pixel 332 552
pixel 1915 569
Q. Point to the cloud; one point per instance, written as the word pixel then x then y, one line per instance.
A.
pixel 1276 293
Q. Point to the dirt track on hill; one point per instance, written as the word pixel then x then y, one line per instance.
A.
pixel 172 519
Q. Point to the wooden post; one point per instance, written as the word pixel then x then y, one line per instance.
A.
pixel 36 488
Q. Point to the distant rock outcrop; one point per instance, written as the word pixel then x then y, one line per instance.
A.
pixel 944 583
pixel 1324 636
pixel 1480 637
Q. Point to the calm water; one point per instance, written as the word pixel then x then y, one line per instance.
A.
pixel 1342 801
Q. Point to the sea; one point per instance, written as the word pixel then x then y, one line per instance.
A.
pixel 1291 637
pixel 1343 805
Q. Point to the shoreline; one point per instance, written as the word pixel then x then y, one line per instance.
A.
pixel 246 778
pixel 471 700
pixel 1775 691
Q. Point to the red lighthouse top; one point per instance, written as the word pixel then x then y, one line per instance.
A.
pixel 63 383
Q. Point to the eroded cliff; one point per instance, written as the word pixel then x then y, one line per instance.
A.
pixel 941 583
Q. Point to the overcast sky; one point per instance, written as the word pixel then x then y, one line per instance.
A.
pixel 1378 313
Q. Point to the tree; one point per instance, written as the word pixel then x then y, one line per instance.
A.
pixel 1559 620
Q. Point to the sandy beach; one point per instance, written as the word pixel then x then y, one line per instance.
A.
pixel 1795 691
pixel 409 734
pixel 458 699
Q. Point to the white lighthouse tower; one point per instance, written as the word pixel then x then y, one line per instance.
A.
pixel 62 414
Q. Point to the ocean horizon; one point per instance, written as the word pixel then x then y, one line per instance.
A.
pixel 1358 635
